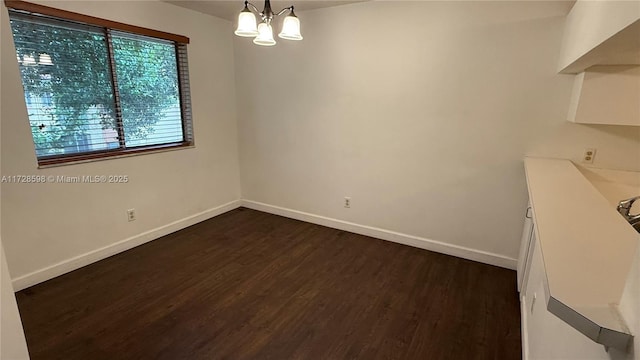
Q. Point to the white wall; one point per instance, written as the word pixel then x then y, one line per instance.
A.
pixel 53 228
pixel 421 112
pixel 13 344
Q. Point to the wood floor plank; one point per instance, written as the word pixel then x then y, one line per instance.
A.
pixel 251 285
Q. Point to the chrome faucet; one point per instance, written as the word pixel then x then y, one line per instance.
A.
pixel 624 207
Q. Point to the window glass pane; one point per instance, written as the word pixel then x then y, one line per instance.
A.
pixel 146 71
pixel 67 83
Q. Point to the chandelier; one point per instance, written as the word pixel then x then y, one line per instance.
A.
pixel 263 33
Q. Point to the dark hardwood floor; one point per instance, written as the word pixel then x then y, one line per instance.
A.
pixel 250 285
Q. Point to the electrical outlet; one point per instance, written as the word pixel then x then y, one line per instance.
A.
pixel 347 202
pixel 588 156
pixel 131 214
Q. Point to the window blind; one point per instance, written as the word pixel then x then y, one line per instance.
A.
pixel 67 84
pixel 91 89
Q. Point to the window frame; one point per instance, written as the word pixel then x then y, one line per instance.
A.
pixel 109 25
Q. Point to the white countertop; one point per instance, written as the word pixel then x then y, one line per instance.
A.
pixel 587 247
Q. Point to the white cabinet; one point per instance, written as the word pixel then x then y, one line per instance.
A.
pixel 544 335
pixel 608 95
pixel 582 253
pixel 600 33
pixel 601 45
pixel 525 248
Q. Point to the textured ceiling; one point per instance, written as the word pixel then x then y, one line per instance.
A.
pixel 229 9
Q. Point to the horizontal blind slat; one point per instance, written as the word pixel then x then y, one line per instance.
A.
pixel 78 101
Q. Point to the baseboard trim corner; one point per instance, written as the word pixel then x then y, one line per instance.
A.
pixel 406 239
pixel 65 266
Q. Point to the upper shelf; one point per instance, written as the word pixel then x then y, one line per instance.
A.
pixel 608 95
pixel 601 33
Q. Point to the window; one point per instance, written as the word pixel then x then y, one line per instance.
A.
pixel 96 88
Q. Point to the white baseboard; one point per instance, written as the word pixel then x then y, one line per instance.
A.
pixel 36 277
pixel 415 241
pixel 63 267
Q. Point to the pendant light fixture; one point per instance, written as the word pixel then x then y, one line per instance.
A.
pixel 263 33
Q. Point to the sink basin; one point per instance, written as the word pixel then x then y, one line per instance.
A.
pixel 616 185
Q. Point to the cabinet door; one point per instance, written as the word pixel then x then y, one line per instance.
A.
pixel 534 271
pixel 524 258
pixel 533 276
pixel 545 336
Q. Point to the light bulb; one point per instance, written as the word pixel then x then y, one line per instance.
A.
pixel 265 35
pixel 291 28
pixel 246 24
